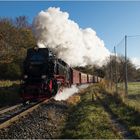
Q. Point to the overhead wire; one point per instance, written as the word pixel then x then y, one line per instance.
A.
pixel 133 36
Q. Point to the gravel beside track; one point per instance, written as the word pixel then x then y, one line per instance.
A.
pixel 45 122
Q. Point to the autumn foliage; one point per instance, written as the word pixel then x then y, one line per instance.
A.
pixel 15 37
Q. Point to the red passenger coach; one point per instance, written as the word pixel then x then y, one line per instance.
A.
pixel 84 78
pixel 90 78
pixel 95 79
pixel 76 77
pixel 99 79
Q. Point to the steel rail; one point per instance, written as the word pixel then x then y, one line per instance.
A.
pixel 9 108
pixel 21 114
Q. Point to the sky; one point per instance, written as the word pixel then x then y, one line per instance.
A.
pixel 111 20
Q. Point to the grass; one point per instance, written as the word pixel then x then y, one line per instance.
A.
pixel 8 83
pixel 125 113
pixel 133 98
pixel 9 93
pixel 88 120
pixel 134 95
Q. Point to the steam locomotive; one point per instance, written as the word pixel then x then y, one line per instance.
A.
pixel 44 75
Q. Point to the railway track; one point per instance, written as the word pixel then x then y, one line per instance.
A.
pixel 4 110
pixel 14 113
pixel 45 122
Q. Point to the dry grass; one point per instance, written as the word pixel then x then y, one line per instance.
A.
pixel 73 99
pixel 8 83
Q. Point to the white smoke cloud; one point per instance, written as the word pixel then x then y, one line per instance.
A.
pixel 66 93
pixel 78 47
pixel 136 62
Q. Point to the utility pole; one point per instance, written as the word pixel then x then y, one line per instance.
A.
pixel 126 78
pixel 111 72
pixel 116 79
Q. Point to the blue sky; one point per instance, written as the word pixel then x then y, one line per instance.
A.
pixel 111 20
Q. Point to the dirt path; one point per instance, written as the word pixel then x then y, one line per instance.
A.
pixel 116 124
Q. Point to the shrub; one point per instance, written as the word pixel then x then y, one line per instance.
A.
pixel 10 71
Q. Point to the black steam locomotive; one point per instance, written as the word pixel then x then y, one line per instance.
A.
pixel 43 74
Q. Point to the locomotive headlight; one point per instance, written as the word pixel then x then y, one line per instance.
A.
pixel 43 76
pixel 25 76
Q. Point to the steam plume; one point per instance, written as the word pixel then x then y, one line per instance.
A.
pixel 66 93
pixel 76 46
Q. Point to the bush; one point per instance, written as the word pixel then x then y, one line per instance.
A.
pixel 9 95
pixel 10 71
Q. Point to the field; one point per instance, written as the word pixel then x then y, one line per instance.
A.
pixel 134 95
pixel 133 98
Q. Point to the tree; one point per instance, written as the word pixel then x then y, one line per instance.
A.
pixel 5 40
pixel 115 69
pixel 15 38
pixel 137 75
pixel 21 22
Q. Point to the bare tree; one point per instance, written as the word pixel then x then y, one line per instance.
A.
pixel 116 67
pixel 21 22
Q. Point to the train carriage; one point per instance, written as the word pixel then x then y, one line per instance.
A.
pixel 76 77
pixel 84 78
pixel 90 78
